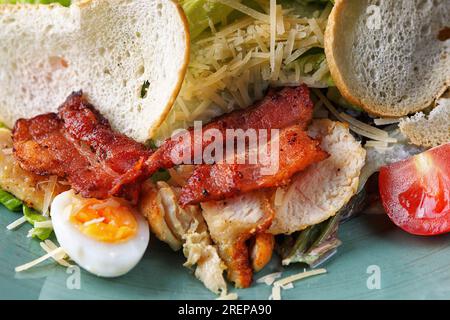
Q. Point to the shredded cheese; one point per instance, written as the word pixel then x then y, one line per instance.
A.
pixel 386 121
pixel 51 254
pixel 273 32
pixel 58 258
pixel 376 144
pixel 270 278
pixel 355 125
pixel 299 276
pixel 276 293
pixel 245 9
pixel 233 66
pixel 94 221
pixel 363 126
pixel 49 191
pixel 43 224
pixel 288 286
pixel 16 223
pixel 230 296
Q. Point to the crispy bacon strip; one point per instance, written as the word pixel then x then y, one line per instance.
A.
pixel 78 144
pixel 279 109
pixel 222 180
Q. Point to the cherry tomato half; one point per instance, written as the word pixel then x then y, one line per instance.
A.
pixel 416 192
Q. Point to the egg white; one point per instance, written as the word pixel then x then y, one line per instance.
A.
pixel 100 258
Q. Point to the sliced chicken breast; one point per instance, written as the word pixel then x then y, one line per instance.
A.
pixel 231 223
pixel 183 228
pixel 321 190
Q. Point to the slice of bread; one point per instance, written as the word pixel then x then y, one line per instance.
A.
pixel 429 131
pixel 386 56
pixel 128 57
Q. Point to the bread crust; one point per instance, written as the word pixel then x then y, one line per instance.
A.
pixel 332 41
pixel 166 105
pixel 181 73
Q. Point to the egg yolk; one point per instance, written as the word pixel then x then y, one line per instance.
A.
pixel 107 221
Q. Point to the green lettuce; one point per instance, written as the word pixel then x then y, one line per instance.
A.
pixel 32 217
pixel 199 12
pixel 310 62
pixel 62 2
pixel 9 201
pixel 313 245
pixel 319 242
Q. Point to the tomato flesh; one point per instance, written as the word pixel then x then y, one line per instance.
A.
pixel 416 192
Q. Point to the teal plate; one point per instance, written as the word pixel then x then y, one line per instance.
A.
pixel 376 261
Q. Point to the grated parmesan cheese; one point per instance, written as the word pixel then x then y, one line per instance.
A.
pixel 276 293
pixel 288 286
pixel 48 197
pixel 269 279
pixel 376 144
pixel 16 223
pixel 51 254
pixel 94 221
pixel 58 258
pixel 230 296
pixel 233 66
pixel 299 276
pixel 43 224
pixel 386 121
pixel 355 125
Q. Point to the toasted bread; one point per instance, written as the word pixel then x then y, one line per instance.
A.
pixel 128 57
pixel 429 131
pixel 388 56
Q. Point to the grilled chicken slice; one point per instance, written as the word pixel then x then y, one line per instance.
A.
pixel 231 223
pixel 183 228
pixel 321 190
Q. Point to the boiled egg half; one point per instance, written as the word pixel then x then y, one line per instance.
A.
pixel 105 237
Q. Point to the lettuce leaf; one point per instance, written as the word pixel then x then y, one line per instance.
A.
pixel 9 201
pixel 313 245
pixel 32 217
pixel 65 3
pixel 198 13
pixel 319 242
